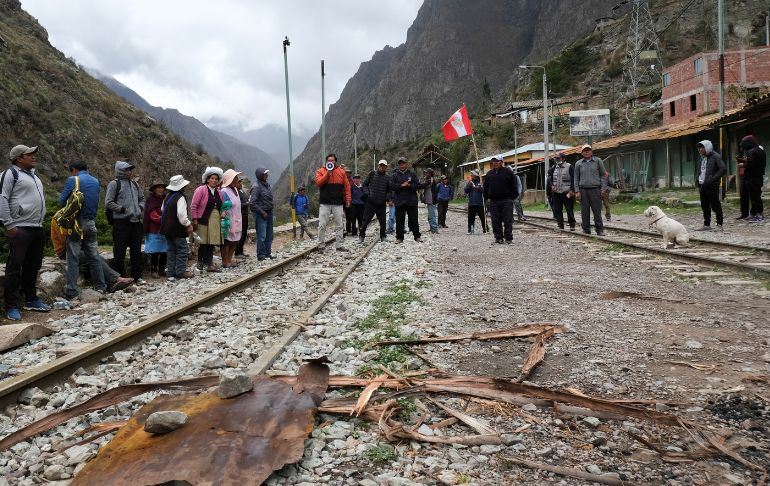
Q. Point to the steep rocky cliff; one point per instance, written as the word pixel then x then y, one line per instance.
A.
pixel 455 51
pixel 48 101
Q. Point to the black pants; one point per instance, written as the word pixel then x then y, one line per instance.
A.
pixel 158 263
pixel 350 220
pixel 443 207
pixel 751 193
pixel 357 217
pixel 501 213
pixel 474 211
pixel 25 257
pixel 591 202
pixel 560 202
pixel 402 212
pixel 126 234
pixel 371 210
pixel 206 255
pixel 709 201
pixel 244 233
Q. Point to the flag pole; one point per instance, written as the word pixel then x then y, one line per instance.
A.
pixel 478 167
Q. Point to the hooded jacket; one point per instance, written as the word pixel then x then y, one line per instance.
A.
pixel 377 187
pixel 712 168
pixel 756 159
pixel 260 194
pixel 129 203
pixel 475 191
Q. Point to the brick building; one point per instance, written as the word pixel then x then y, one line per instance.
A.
pixel 691 87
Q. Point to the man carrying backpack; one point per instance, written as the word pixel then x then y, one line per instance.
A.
pixel 124 203
pixel 80 180
pixel 22 210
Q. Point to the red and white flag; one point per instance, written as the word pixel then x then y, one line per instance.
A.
pixel 458 125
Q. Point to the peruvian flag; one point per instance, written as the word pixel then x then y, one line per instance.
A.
pixel 458 125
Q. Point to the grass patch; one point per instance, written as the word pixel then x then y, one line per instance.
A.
pixel 381 453
pixel 389 309
pixel 463 478
pixel 407 406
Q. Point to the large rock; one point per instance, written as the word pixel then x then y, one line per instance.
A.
pixel 164 422
pixel 233 383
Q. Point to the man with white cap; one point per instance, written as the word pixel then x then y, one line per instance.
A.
pixel 125 200
pixel 590 182
pixel 176 226
pixel 22 210
pixel 377 192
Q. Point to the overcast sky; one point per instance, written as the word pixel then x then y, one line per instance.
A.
pixel 223 59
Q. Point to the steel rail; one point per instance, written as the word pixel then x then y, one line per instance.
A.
pixel 696 259
pixel 66 364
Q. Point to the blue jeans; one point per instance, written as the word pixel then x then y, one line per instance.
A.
pixel 432 222
pixel 176 256
pixel 391 219
pixel 90 247
pixel 264 234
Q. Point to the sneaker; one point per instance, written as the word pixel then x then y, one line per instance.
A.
pixel 213 269
pixel 121 283
pixel 720 228
pixel 470 232
pixel 186 275
pixel 262 258
pixel 140 281
pixel 758 218
pixel 361 239
pixel 13 314
pixel 600 233
pixel 398 242
pixel 586 232
pixel 608 217
pixel 572 228
pixel 37 305
pixel 171 279
pixel 382 239
pixel 742 216
pixel 508 242
pixel 418 240
pixel 703 228
pixel 342 248
pixel 272 256
pixel 500 241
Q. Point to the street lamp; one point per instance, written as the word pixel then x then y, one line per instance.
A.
pixel 286 44
pixel 546 155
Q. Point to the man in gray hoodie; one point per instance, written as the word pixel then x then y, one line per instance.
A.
pixel 590 182
pixel 22 210
pixel 712 168
pixel 261 204
pixel 126 202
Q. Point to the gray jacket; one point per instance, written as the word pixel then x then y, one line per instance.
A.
pixel 129 205
pixel 260 194
pixel 590 174
pixel 24 203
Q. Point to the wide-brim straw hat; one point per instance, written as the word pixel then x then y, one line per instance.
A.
pixel 177 183
pixel 229 176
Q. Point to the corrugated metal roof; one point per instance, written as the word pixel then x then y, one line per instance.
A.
pixel 531 147
pixel 758 108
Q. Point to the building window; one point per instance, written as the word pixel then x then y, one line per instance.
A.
pixel 666 79
pixel 672 108
pixel 698 66
pixel 693 102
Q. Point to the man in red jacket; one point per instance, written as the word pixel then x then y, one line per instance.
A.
pixel 334 193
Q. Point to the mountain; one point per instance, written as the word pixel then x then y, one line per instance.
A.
pixel 245 157
pixel 272 138
pixel 49 101
pixel 455 52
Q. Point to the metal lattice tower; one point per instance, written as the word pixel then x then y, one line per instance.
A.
pixel 642 65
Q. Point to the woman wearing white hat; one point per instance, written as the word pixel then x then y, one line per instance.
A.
pixel 176 226
pixel 230 193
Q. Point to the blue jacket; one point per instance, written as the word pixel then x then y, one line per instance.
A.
pixel 445 192
pixel 301 204
pixel 89 186
pixel 356 195
pixel 475 197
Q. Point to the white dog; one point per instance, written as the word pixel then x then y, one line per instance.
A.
pixel 673 231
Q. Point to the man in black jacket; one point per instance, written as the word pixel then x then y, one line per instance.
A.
pixel 377 193
pixel 712 168
pixel 751 167
pixel 404 184
pixel 500 191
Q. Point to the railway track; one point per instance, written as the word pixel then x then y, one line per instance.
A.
pixel 244 323
pixel 737 256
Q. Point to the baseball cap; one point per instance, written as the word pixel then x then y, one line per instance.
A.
pixel 382 162
pixel 401 159
pixel 475 173
pixel 496 157
pixel 21 150
pixel 585 147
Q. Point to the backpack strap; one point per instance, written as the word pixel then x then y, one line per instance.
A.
pixel 15 174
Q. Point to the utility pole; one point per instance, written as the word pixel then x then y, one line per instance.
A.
pixel 641 49
pixel 721 35
pixel 546 149
pixel 355 150
pixel 291 156
pixel 323 115
pixel 767 29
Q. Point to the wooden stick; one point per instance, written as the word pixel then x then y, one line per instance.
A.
pixel 568 472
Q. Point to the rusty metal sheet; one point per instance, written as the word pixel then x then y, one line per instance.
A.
pixel 236 441
pixel 12 335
